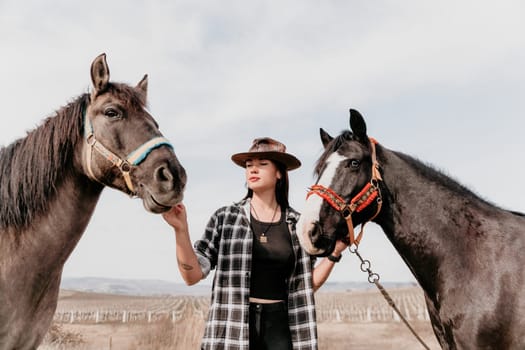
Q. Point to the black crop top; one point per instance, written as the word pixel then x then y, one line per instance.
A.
pixel 273 261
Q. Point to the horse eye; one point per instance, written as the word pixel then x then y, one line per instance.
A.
pixel 112 113
pixel 354 163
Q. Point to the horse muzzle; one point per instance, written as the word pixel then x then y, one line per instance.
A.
pixel 323 242
pixel 164 189
pixel 313 239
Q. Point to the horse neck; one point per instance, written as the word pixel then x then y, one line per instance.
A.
pixel 426 215
pixel 61 227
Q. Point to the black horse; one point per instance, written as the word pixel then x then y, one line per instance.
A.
pixel 467 254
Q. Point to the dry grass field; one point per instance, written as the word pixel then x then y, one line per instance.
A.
pixel 346 320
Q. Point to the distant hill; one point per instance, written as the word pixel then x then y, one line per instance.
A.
pixel 160 287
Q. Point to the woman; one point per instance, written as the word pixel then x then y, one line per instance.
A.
pixel 262 294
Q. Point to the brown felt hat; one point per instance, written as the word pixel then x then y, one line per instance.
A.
pixel 267 148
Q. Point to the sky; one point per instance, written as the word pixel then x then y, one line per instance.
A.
pixel 442 81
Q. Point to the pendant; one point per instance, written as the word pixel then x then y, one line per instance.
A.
pixel 263 239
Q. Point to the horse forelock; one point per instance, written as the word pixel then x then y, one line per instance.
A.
pixel 31 167
pixel 133 97
pixel 332 147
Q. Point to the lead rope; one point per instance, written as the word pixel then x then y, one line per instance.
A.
pixel 374 278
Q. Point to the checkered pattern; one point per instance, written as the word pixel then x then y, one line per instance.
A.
pixel 227 247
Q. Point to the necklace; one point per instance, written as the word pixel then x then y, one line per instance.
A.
pixel 263 238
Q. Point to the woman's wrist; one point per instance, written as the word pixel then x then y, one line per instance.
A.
pixel 335 257
pixel 182 233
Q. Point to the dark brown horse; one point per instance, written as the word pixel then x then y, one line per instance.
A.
pixel 50 182
pixel 467 254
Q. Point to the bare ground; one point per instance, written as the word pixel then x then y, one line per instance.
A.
pixel 380 336
pixel 332 336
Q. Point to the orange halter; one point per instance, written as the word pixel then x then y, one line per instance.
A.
pixel 363 199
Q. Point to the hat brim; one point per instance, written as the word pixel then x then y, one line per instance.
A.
pixel 290 161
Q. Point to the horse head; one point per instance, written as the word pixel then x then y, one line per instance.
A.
pixel 124 148
pixel 346 192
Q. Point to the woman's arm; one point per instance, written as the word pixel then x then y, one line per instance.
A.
pixel 324 268
pixel 187 261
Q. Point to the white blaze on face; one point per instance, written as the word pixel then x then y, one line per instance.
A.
pixel 312 208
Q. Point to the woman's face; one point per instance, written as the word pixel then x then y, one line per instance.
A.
pixel 261 174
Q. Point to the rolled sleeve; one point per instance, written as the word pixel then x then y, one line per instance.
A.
pixel 204 264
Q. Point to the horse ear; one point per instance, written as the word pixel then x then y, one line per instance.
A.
pixel 325 137
pixel 357 124
pixel 143 85
pixel 99 74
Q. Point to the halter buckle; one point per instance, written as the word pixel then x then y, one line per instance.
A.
pixel 91 140
pixel 346 212
pixel 125 167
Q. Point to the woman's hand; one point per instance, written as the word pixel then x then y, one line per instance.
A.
pixel 339 248
pixel 324 268
pixel 177 217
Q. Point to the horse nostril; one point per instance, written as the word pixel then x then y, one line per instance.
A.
pixel 169 178
pixel 316 232
pixel 163 174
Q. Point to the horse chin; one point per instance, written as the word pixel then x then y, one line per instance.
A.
pixel 156 206
pixel 326 249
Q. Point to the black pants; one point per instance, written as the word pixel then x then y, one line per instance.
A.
pixel 269 328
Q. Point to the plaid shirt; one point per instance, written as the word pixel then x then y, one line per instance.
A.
pixel 227 247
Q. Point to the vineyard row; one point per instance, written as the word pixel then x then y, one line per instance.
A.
pixel 380 313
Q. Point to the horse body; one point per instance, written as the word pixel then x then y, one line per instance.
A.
pixel 464 252
pixel 50 182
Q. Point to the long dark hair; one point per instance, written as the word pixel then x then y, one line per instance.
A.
pixel 281 187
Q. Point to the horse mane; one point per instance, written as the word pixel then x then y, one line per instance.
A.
pixel 439 177
pixel 31 167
